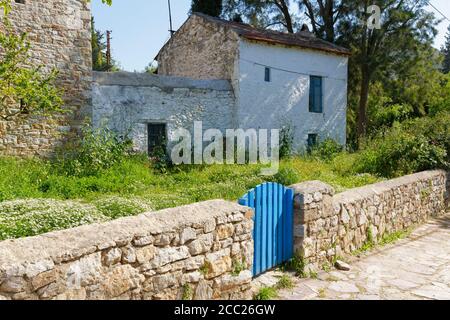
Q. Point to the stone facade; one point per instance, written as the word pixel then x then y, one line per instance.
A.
pixel 59 32
pixel 328 225
pixel 201 251
pixel 200 50
pixel 127 102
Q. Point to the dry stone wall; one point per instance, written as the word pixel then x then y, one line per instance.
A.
pixel 200 251
pixel 328 225
pixel 60 37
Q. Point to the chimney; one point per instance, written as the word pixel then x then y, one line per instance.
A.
pixel 304 31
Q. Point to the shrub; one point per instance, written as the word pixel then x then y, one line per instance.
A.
pixel 115 207
pixel 413 146
pixel 286 176
pixel 99 149
pixel 286 141
pixel 266 293
pixel 24 218
pixel 327 150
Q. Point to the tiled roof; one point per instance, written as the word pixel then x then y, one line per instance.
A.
pixel 300 39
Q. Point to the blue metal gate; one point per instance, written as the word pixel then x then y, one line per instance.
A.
pixel 273 232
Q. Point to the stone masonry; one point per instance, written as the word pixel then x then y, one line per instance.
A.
pixel 59 32
pixel 328 225
pixel 200 251
pixel 202 50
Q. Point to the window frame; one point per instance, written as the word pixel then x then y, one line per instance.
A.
pixel 315 83
pixel 267 74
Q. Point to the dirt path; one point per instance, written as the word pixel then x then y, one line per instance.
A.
pixel 417 267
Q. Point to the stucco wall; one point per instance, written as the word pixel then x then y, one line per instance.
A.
pixel 127 102
pixel 59 33
pixel 199 50
pixel 187 252
pixel 285 100
pixel 328 225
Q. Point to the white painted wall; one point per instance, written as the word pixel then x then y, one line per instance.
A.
pixel 270 105
pixel 127 102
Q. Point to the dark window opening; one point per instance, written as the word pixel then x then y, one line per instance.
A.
pixel 156 137
pixel 267 75
pixel 316 95
pixel 312 141
pixel 20 1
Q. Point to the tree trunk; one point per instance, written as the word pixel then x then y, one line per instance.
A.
pixel 363 99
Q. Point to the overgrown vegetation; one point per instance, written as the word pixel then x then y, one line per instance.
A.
pixel 26 88
pixel 285 282
pixel 266 293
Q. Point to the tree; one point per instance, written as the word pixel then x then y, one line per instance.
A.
pixel 446 53
pixel 324 15
pixel 405 27
pixel 263 13
pixel 98 49
pixel 25 89
pixel 210 7
pixel 99 60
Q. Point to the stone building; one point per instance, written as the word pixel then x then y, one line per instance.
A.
pixel 225 74
pixel 59 32
pixel 274 80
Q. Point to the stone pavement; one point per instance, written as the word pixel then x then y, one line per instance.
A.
pixel 417 267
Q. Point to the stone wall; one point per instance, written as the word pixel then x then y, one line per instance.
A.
pixel 127 102
pixel 328 225
pixel 200 50
pixel 60 37
pixel 200 251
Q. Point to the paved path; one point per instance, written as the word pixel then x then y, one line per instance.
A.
pixel 417 267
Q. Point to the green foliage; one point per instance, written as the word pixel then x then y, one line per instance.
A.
pixel 297 264
pixel 99 47
pixel 99 149
pixel 412 146
pixel 238 266
pixel 160 159
pixel 285 282
pixel 23 218
pixel 116 207
pixel 327 150
pixel 187 292
pixel 286 141
pixel 394 237
pixel 446 53
pixel 210 7
pixel 286 176
pixel 25 88
pixel 266 293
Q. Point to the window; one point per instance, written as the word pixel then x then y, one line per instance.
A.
pixel 315 95
pixel 267 74
pixel 312 140
pixel 156 136
pixel 20 1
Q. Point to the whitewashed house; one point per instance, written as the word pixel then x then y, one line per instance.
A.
pixel 231 75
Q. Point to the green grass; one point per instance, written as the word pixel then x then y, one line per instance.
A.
pixel 132 186
pixel 285 282
pixel 134 176
pixel 266 293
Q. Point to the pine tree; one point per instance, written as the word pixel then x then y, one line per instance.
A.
pixel 446 52
pixel 210 7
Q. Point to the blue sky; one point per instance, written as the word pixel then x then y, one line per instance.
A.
pixel 140 27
